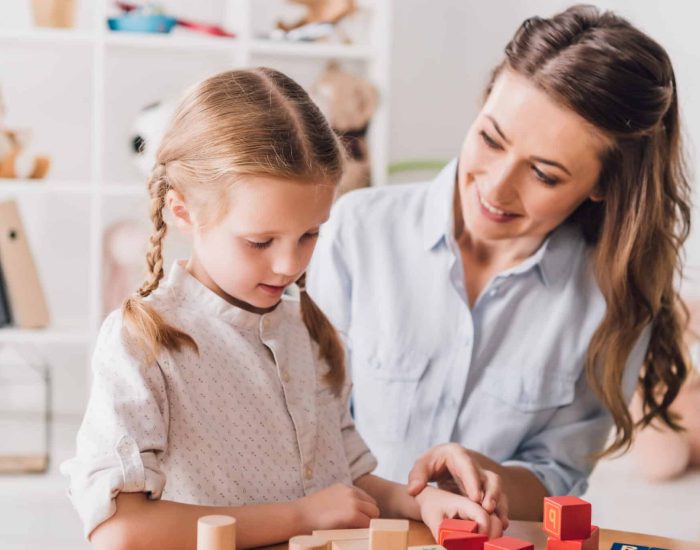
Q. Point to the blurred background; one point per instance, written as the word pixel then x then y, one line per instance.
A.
pixel 85 88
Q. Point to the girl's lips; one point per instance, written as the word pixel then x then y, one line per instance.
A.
pixel 271 289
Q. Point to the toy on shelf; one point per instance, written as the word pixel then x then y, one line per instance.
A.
pixel 567 521
pixel 147 131
pixel 17 160
pixel 348 102
pixel 681 450
pixel 123 264
pixel 53 13
pixel 325 20
pixel 151 18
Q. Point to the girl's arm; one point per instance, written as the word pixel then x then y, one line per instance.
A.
pixel 143 523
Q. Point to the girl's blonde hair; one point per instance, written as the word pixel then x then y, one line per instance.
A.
pixel 252 122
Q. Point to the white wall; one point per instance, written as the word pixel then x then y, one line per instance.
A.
pixel 444 50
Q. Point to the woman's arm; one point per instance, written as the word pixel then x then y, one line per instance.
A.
pixel 143 523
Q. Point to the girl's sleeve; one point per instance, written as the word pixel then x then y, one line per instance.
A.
pixel 123 433
pixel 560 455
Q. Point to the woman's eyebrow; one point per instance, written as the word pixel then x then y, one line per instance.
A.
pixel 536 159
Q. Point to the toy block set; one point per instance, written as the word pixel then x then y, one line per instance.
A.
pixel 567 521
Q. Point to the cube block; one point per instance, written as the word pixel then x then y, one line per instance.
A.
pixel 567 518
pixel 456 526
pixel 508 543
pixel 591 543
pixel 627 546
pixel 464 541
pixel 388 534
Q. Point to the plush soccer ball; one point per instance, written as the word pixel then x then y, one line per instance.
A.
pixel 147 131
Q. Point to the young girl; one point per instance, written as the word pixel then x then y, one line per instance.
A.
pixel 213 392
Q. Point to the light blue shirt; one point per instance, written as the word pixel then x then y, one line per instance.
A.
pixel 504 377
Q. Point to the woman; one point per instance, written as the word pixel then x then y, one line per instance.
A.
pixel 511 306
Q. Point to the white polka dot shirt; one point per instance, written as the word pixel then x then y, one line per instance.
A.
pixel 248 420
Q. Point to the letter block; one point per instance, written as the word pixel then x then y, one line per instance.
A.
pixel 455 527
pixel 464 541
pixel 567 518
pixel 591 543
pixel 627 546
pixel 508 543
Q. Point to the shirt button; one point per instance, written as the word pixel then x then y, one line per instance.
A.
pixel 265 322
pixel 285 377
pixel 308 473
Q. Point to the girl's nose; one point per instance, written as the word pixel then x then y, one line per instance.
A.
pixel 288 263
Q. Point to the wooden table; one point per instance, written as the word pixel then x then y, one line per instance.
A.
pixel 532 531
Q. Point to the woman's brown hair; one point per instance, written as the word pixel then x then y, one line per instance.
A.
pixel 253 122
pixel 622 82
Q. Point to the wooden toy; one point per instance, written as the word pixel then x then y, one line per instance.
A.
pixel 308 542
pixel 455 526
pixel 464 541
pixel 354 544
pixel 342 534
pixel 626 546
pixel 567 518
pixel 591 543
pixel 388 534
pixel 508 543
pixel 427 547
pixel 216 533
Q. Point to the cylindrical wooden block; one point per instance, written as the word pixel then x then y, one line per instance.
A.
pixel 53 13
pixel 308 542
pixel 216 533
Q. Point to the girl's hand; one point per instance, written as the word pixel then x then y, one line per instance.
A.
pixel 454 469
pixel 338 507
pixel 436 505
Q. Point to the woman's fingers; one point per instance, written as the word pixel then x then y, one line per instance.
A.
pixel 492 490
pixel 420 474
pixel 466 472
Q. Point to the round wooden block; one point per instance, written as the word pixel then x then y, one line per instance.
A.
pixel 216 533
pixel 308 542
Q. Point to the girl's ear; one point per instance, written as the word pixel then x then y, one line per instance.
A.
pixel 178 208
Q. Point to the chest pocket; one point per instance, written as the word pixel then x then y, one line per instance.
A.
pixel 385 392
pixel 529 391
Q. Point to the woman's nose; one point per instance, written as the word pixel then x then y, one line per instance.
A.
pixel 502 184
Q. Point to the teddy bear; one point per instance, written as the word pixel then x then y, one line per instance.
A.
pixel 16 159
pixel 658 452
pixel 348 102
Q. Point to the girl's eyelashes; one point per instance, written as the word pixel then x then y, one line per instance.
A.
pixel 259 245
pixel 544 178
pixel 489 141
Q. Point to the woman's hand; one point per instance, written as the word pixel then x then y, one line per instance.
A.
pixel 454 469
pixel 338 506
pixel 436 505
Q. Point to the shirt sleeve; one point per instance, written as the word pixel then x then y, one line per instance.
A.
pixel 560 454
pixel 123 432
pixel 360 459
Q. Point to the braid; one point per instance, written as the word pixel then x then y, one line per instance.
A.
pixel 157 188
pixel 324 334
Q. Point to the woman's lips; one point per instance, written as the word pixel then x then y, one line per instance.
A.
pixel 492 212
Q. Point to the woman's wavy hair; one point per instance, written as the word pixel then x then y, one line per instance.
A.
pixel 252 122
pixel 622 82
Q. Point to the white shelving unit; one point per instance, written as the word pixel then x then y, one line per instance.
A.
pixel 116 74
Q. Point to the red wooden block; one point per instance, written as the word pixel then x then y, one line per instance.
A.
pixel 464 541
pixel 508 543
pixel 591 543
pixel 567 518
pixel 456 526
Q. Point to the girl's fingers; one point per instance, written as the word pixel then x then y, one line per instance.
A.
pixel 468 509
pixel 368 509
pixel 364 495
pixel 502 511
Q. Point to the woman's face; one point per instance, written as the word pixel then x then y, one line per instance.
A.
pixel 526 164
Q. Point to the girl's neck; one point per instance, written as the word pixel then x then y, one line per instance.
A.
pixel 197 270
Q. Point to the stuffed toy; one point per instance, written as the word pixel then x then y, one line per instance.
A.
pixel 319 11
pixel 348 102
pixel 16 158
pixel 147 131
pixel 658 452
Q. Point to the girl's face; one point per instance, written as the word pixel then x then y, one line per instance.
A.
pixel 526 164
pixel 264 242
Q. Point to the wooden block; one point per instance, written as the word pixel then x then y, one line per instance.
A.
pixel 308 542
pixel 342 534
pixel 456 526
pixel 353 544
pixel 627 546
pixel 464 541
pixel 388 534
pixel 567 518
pixel 591 543
pixel 508 543
pixel 216 533
pixel 427 547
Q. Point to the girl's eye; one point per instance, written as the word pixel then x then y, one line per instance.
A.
pixel 544 178
pixel 259 245
pixel 489 141
pixel 309 236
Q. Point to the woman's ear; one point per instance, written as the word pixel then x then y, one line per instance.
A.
pixel 597 195
pixel 178 208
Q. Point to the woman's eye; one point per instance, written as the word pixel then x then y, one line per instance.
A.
pixel 544 178
pixel 259 245
pixel 489 141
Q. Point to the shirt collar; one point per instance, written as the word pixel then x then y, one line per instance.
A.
pixel 553 259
